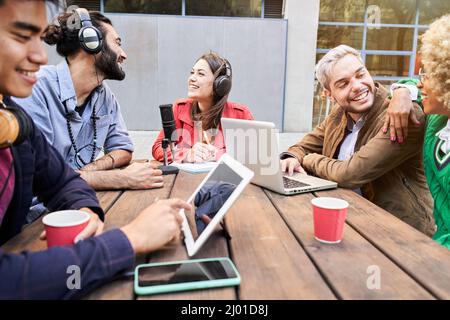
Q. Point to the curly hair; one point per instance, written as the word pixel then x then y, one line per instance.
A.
pixel 435 56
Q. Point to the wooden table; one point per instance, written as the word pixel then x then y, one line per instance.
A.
pixel 276 254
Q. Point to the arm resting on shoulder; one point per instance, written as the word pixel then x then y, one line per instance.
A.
pixel 377 157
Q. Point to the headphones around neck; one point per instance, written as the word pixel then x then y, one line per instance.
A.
pixel 90 38
pixel 15 126
pixel 222 84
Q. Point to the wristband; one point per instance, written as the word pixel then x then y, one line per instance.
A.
pixel 113 162
pixel 413 91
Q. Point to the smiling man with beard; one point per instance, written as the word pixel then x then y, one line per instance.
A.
pixel 78 113
pixel 350 147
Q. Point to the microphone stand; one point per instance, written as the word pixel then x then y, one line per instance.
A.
pixel 165 168
pixel 171 149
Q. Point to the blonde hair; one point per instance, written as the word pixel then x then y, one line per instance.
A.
pixel 435 56
pixel 324 66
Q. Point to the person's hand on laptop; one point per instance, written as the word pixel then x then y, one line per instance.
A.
pixel 291 165
pixel 201 152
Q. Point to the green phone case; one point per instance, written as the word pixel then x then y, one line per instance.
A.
pixel 186 285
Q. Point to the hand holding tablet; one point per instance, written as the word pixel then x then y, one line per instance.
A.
pixel 212 199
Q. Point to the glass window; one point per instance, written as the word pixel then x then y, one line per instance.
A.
pixel 321 105
pixel 342 10
pixel 331 36
pixel 432 9
pixel 419 39
pixel 139 6
pixel 419 45
pixel 398 39
pixel 391 66
pixel 319 56
pixel 385 39
pixel 227 8
pixel 273 9
pixel 395 11
pixel 93 5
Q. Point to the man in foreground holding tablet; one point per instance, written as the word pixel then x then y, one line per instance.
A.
pixel 32 165
pixel 350 148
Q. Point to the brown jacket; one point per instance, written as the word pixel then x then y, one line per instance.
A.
pixel 389 174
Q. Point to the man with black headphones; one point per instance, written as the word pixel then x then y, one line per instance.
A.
pixel 30 165
pixel 77 111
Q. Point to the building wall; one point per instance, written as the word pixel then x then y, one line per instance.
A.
pixel 303 17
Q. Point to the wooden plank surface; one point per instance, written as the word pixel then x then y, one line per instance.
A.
pixel 124 210
pixel 216 246
pixel 108 198
pixel 271 262
pixel 422 258
pixel 275 252
pixel 345 265
pixel 28 239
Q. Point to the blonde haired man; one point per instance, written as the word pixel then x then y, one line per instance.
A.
pixel 349 146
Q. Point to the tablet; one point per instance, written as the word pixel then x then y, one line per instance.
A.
pixel 212 199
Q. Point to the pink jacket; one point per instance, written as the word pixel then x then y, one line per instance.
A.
pixel 185 129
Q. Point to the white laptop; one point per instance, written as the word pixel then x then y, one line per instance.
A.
pixel 212 199
pixel 255 144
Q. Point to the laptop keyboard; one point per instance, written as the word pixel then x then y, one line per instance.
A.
pixel 291 183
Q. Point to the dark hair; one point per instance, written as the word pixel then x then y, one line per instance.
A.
pixel 211 118
pixel 66 38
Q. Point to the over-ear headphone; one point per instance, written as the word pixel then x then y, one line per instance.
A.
pixel 15 126
pixel 222 84
pixel 91 39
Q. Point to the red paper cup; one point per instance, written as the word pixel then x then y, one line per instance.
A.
pixel 329 217
pixel 62 227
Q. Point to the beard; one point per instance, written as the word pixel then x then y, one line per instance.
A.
pixel 108 65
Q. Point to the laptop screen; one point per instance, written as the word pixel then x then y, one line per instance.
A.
pixel 254 144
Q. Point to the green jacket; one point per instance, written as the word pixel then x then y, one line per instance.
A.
pixel 437 170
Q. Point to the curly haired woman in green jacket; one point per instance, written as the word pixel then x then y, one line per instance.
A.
pixel 435 86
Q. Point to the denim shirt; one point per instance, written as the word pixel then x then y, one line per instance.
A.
pixel 55 91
